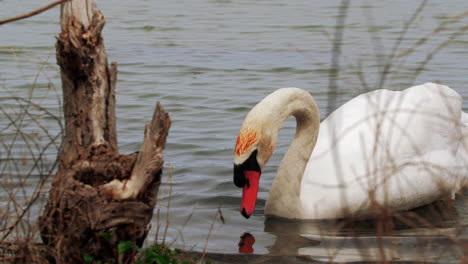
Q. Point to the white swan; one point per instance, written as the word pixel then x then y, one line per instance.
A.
pixel 383 149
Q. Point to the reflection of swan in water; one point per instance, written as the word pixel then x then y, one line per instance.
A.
pixel 395 149
pixel 432 238
pixel 246 243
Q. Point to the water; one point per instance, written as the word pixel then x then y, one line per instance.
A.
pixel 209 62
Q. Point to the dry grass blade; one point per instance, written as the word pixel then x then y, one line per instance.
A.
pixel 388 64
pixel 436 50
pixel 30 139
pixel 168 206
pixel 180 231
pixel 334 76
pixel 218 213
pixel 336 53
pixel 434 32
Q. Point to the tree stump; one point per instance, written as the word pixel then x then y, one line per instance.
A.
pixel 98 196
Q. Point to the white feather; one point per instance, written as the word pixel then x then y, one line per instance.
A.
pixel 391 149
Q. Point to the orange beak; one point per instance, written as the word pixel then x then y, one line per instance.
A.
pixel 249 193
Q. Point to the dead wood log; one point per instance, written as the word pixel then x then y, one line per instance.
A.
pixel 98 197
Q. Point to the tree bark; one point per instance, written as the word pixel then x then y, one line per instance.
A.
pixel 98 197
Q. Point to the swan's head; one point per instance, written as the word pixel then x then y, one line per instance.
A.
pixel 253 149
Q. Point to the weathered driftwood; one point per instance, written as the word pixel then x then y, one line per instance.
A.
pixel 98 197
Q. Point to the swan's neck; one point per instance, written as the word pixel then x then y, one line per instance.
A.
pixel 284 196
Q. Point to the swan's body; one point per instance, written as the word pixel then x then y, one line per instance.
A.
pixel 384 149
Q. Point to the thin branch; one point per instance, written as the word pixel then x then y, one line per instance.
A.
pixel 33 13
pixel 168 206
pixel 431 55
pixel 333 81
pixel 393 54
pixel 434 32
pixel 336 53
pixel 218 213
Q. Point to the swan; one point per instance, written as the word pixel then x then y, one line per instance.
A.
pixel 384 149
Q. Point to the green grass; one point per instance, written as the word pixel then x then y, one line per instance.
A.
pixel 156 254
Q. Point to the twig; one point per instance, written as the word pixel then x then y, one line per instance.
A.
pixel 18 125
pixel 179 234
pixel 209 233
pixel 158 213
pixel 431 55
pixel 33 199
pixel 333 82
pixel 336 53
pixel 33 13
pixel 388 64
pixel 168 206
pixel 434 32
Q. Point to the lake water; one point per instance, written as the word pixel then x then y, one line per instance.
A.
pixel 209 62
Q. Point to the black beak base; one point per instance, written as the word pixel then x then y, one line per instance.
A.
pixel 239 178
pixel 249 164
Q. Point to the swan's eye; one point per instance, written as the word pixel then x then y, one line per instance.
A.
pixel 247 137
pixel 249 164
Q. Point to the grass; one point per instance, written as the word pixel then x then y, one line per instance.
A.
pixel 155 254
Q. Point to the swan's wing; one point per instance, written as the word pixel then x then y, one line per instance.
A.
pixel 399 146
pixel 462 154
